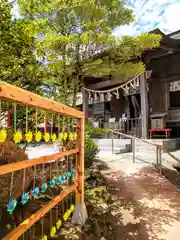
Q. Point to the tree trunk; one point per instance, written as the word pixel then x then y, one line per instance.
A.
pixel 77 78
pixel 75 91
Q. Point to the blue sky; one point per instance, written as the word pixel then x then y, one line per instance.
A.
pixel 150 14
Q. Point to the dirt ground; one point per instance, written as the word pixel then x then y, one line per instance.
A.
pixel 129 204
pixel 146 205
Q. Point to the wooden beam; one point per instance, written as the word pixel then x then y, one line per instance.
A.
pixel 105 84
pixel 12 93
pixel 173 78
pixel 29 222
pixel 11 167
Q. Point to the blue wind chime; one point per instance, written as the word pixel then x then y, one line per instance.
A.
pixel 36 191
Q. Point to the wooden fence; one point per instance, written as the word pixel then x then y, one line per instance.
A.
pixel 65 179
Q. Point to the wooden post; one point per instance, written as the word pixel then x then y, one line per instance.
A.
pixel 80 161
pixel 166 90
pixel 85 103
pixel 9 119
pixel 80 213
pixel 144 106
pixel 127 106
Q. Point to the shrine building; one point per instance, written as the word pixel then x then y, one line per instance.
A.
pixel 148 103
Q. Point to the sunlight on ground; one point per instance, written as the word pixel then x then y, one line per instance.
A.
pixel 131 170
pixel 147 205
pixel 157 203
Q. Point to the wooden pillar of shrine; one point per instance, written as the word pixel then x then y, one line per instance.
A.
pixel 85 103
pixel 144 105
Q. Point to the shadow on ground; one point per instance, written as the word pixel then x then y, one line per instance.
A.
pixel 140 206
pixel 152 201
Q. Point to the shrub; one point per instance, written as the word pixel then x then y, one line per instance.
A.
pixel 95 132
pixel 91 148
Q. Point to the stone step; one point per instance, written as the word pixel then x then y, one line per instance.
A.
pixel 145 149
pixel 144 146
pixel 118 144
pixel 170 158
pixel 121 149
pixel 148 145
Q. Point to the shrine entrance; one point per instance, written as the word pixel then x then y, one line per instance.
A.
pixel 123 108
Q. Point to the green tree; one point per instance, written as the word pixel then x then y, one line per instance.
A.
pixel 77 40
pixel 18 63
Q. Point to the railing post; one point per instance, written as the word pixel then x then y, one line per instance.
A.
pixel 160 159
pixel 112 137
pixel 157 158
pixel 134 149
pixel 80 212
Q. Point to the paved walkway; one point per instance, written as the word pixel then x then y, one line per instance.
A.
pixel 146 205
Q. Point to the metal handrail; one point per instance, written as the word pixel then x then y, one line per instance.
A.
pixel 158 164
pixel 136 138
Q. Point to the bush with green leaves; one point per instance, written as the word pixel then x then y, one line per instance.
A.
pixel 91 148
pixel 95 132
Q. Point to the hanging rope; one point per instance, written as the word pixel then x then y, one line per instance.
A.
pixel 102 95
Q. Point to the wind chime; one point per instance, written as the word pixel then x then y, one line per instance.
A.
pixel 29 136
pixel 66 174
pixel 54 180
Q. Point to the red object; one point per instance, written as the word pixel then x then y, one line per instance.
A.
pixel 166 130
pixel 45 125
pixel 33 114
pixel 9 120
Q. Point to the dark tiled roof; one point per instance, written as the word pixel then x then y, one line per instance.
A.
pixel 174 34
pixel 168 41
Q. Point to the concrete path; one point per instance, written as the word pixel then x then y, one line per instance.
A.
pixel 146 206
